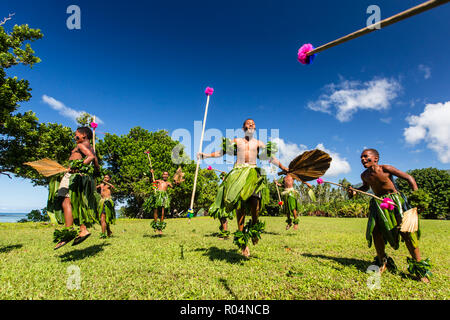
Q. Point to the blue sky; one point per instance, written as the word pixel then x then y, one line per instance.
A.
pixel 147 63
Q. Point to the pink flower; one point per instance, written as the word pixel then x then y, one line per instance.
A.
pixel 391 207
pixel 280 203
pixel 304 49
pixel 94 125
pixel 209 168
pixel 209 91
pixel 147 152
pixel 384 205
pixel 387 200
pixel 320 181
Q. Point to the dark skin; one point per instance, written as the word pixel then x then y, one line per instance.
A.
pixel 247 151
pixel 105 190
pixel 289 183
pixel 162 185
pixel 377 177
pixel 83 149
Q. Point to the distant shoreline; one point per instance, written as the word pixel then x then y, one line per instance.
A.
pixel 12 217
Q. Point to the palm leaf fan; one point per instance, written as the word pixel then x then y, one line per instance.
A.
pixel 410 221
pixel 309 165
pixel 47 167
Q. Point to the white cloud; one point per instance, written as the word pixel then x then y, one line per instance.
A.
pixel 433 127
pixel 288 151
pixel 386 120
pixel 426 71
pixel 347 97
pixel 64 110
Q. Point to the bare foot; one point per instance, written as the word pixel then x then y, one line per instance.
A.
pixel 425 280
pixel 295 226
pixel 288 226
pixel 383 268
pixel 246 252
pixel 83 233
pixel 160 232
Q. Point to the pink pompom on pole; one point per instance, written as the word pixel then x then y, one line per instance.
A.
pixel 94 125
pixel 209 168
pixel 147 152
pixel 319 181
pixel 302 55
pixel 209 91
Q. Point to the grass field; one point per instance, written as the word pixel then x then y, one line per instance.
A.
pixel 326 258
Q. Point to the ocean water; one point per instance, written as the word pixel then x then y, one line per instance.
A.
pixel 12 217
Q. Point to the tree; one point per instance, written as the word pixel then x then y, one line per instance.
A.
pixel 22 137
pixel 435 182
pixel 125 159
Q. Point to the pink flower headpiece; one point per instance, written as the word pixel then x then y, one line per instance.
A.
pixel 209 91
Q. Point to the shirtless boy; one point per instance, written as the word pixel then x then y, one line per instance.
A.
pixel 249 195
pixel 383 224
pixel 106 211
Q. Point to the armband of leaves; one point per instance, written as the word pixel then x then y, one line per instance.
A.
pixel 268 151
pixel 78 166
pixel 229 147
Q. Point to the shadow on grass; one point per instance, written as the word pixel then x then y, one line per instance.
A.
pixel 82 253
pixel 359 264
pixel 155 235
pixel 224 282
pixel 272 233
pixel 10 248
pixel 228 255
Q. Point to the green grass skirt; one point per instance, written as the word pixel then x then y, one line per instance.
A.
pixel 237 187
pixel 158 199
pixel 107 206
pixel 291 202
pixel 82 197
pixel 387 221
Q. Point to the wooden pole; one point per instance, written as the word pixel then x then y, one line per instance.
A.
pixel 278 190
pixel 93 135
pixel 199 150
pixel 384 23
pixel 360 191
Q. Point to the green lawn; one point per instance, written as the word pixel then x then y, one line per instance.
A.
pixel 326 258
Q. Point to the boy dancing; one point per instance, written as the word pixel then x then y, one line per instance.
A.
pixel 72 199
pixel 245 188
pixel 106 211
pixel 160 199
pixel 383 224
pixel 291 201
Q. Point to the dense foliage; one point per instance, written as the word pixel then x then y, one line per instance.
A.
pixel 125 159
pixel 437 184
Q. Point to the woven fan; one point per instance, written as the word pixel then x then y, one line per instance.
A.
pixel 309 165
pixel 178 176
pixel 47 167
pixel 410 221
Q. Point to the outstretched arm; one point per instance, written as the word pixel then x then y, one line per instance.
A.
pixel 402 175
pixel 365 187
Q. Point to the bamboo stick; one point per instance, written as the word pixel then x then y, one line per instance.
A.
pixel 384 23
pixel 278 190
pixel 199 150
pixel 360 191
